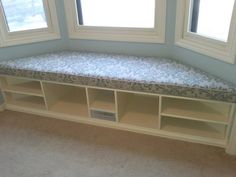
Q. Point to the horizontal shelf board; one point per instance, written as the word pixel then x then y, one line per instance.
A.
pixel 141 111
pixel 195 110
pixel 30 101
pixel 71 105
pixel 24 93
pixel 194 128
pixel 192 118
pixel 31 88
pixel 104 101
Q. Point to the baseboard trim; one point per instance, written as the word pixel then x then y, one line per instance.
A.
pixel 2 107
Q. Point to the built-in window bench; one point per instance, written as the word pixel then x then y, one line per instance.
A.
pixel 154 96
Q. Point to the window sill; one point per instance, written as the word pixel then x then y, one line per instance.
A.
pixel 28 39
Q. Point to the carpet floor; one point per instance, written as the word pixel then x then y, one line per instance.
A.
pixel 34 146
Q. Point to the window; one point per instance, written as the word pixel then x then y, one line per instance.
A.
pixel 208 27
pixel 26 21
pixel 212 22
pixel 119 20
pixel 94 13
pixel 23 15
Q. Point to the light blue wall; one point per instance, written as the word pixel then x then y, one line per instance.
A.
pixel 218 68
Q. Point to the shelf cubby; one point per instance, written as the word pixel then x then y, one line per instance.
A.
pixel 196 110
pixel 66 99
pixel 194 128
pixel 101 100
pixel 24 86
pixel 137 109
pixel 26 101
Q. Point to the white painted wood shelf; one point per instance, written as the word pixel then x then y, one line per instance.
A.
pixel 23 86
pixel 195 120
pixel 196 110
pixel 22 100
pixel 195 128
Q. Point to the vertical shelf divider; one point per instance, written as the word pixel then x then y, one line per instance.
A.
pixel 159 112
pixel 122 99
pixel 44 96
pixel 231 116
pixel 116 106
pixel 88 102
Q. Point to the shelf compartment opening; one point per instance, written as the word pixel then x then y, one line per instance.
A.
pixel 138 109
pixel 66 99
pixel 26 101
pixel 19 85
pixel 194 128
pixel 102 100
pixel 196 110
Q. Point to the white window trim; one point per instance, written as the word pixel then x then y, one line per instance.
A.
pixel 30 36
pixel 156 35
pixel 224 51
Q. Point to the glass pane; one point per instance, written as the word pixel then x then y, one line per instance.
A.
pixel 117 13
pixel 211 18
pixel 24 14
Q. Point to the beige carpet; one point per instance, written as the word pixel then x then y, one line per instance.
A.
pixel 33 146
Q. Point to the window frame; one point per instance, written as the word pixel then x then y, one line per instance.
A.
pixel 224 51
pixel 155 35
pixel 52 32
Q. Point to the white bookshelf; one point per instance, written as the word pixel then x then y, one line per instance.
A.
pixel 195 120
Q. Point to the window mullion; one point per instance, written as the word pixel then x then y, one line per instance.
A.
pixel 80 12
pixel 195 14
